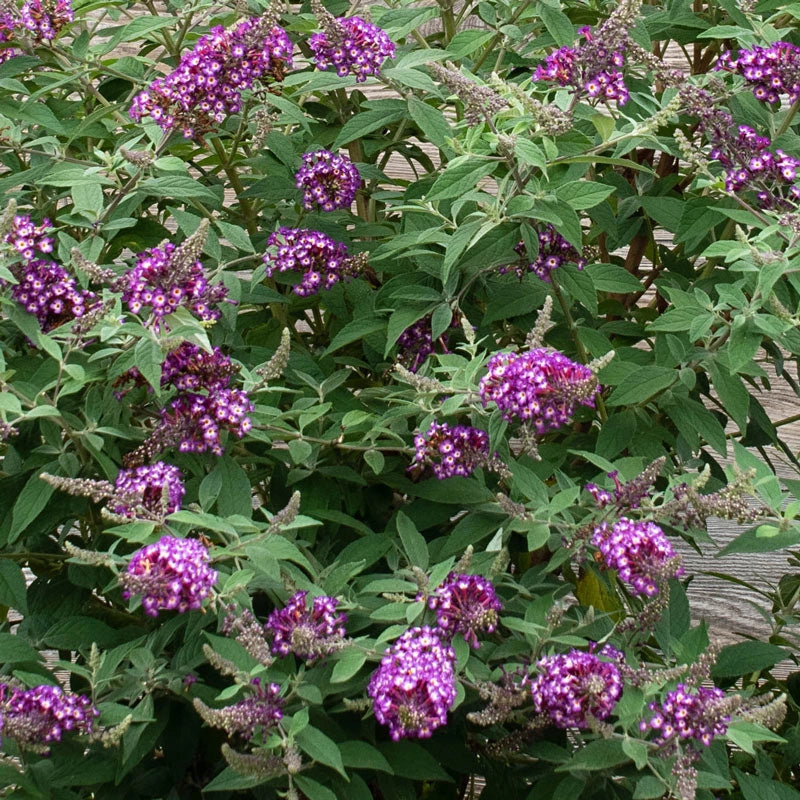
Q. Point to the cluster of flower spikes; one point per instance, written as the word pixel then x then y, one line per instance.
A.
pixel 539 386
pixel 450 451
pixel 771 70
pixel 688 714
pixel 159 485
pixel 322 261
pixel 591 67
pixel 554 252
pixel 167 277
pixel 329 181
pixel 640 553
pixel 630 494
pixel 415 344
pixel 44 19
pixel 170 574
pixel 750 165
pixel 465 604
pixel 207 84
pixel 260 711
pixel 38 716
pixel 43 288
pixel 309 633
pixel 351 46
pixel 7 25
pixel 415 685
pixel 189 368
pixel 571 688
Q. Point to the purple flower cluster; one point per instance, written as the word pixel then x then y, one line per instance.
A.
pixel 750 165
pixel 591 68
pixel 309 633
pixel 573 687
pixel 322 261
pixel 189 368
pixel 771 70
pixel 352 46
pixel 465 604
pixel 640 552
pixel 171 574
pixel 195 421
pixel 30 241
pixel 415 344
pixel 43 19
pixel 450 451
pixel 688 714
pixel 46 290
pixel 261 711
pixel 554 251
pixel 159 485
pixel 7 26
pixel 162 281
pixel 208 82
pixel 415 685
pixel 328 180
pixel 38 716
pixel 539 386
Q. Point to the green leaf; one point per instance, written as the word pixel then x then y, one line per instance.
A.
pixel 410 760
pixel 557 24
pixel 649 787
pixel 584 194
pixel 431 122
pixel 732 392
pixel 77 633
pixel 762 539
pixel 178 188
pixel 636 750
pixel 361 755
pixel 754 787
pixel 746 657
pixel 365 122
pixel 231 781
pixel 15 650
pixel 459 177
pixel 312 789
pixel 347 665
pixel 13 591
pixel 356 329
pixel 599 754
pixel 321 748
pixel 529 153
pixel 414 544
pixel 148 361
pixel 237 236
pixel 641 385
pixel 744 343
pixel 613 278
pixel 33 498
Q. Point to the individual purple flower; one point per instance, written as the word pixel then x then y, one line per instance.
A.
pixel 167 277
pixel 694 715
pixel 465 604
pixel 259 712
pixel 571 688
pixel 206 87
pixel 772 70
pixel 36 717
pixel 640 553
pixel 322 261
pixel 46 290
pixel 170 574
pixel 415 685
pixel 329 181
pixel 158 488
pixel 44 19
pixel 28 240
pixel 450 451
pixel 540 386
pixel 194 422
pixel 554 252
pixel 309 633
pixel 351 46
pixel 189 368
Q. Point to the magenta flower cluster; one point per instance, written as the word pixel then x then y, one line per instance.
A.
pixel 208 82
pixel 772 70
pixel 309 633
pixel 688 714
pixel 573 687
pixel 415 344
pixel 189 368
pixel 554 252
pixel 7 25
pixel 352 46
pixel 450 451
pixel 415 685
pixel 539 386
pixel 329 181
pixel 261 711
pixel 161 282
pixel 750 165
pixel 465 604
pixel 640 553
pixel 44 19
pixel 592 69
pixel 170 574
pixel 159 485
pixel 322 261
pixel 29 240
pixel 41 715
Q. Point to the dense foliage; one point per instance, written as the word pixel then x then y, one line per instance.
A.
pixel 365 374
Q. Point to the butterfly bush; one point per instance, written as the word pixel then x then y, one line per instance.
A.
pixel 424 531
